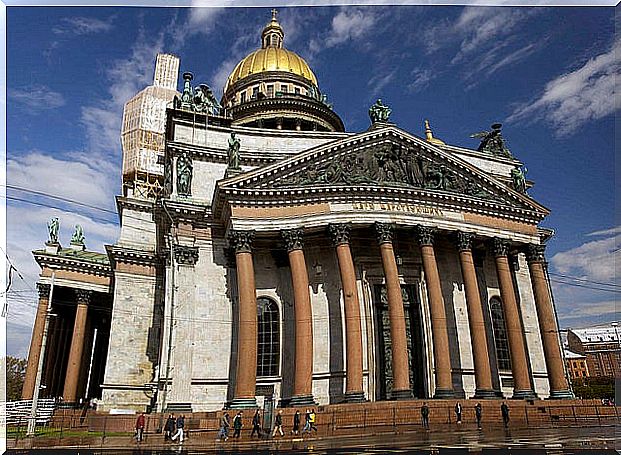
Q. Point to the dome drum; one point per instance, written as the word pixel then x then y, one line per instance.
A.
pixel 290 112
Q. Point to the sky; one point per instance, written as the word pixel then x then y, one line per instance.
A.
pixel 548 74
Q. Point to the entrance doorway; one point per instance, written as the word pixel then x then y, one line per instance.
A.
pixel 415 342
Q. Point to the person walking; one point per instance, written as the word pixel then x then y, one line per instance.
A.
pixel 478 412
pixel 169 427
pixel 296 423
pixel 140 423
pixel 458 412
pixel 312 420
pixel 278 424
pixel 180 427
pixel 424 414
pixel 504 410
pixel 307 425
pixel 256 425
pixel 225 423
pixel 237 424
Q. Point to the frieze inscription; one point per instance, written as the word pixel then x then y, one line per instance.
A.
pixel 399 207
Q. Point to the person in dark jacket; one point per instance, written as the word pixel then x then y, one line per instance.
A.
pixel 458 412
pixel 478 412
pixel 278 424
pixel 237 424
pixel 180 428
pixel 169 427
pixel 256 424
pixel 296 422
pixel 504 409
pixel 424 414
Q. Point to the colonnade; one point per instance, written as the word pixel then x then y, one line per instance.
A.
pixel 245 381
pixel 74 366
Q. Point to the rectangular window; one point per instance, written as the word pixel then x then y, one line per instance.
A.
pixel 297 90
pixel 255 92
pixel 243 97
pixel 270 91
pixel 284 88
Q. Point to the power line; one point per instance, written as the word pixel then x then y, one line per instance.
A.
pixel 60 198
pixel 584 280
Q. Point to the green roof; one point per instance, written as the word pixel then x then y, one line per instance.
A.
pixel 82 255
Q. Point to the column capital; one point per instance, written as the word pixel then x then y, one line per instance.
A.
pixel 83 296
pixel 186 255
pixel 44 290
pixel 241 241
pixel 339 233
pixel 535 253
pixel 384 232
pixel 500 247
pixel 464 241
pixel 294 239
pixel 424 235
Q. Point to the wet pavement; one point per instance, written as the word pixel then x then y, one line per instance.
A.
pixel 440 441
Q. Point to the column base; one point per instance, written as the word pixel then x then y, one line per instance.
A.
pixel 444 393
pixel 561 395
pixel 405 394
pixel 302 400
pixel 486 394
pixel 355 397
pixel 243 403
pixel 524 395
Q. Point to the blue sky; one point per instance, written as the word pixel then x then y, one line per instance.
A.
pixel 546 73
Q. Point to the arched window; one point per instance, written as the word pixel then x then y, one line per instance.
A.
pixel 501 341
pixel 268 352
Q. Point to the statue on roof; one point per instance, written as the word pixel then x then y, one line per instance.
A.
pixel 184 174
pixel 205 101
pixel 518 177
pixel 78 236
pixel 52 227
pixel 492 142
pixel 233 152
pixel 379 112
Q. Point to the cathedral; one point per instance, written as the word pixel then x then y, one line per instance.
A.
pixel 267 256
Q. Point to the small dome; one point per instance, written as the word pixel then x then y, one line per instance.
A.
pixel 271 59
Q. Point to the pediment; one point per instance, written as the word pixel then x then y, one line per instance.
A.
pixel 386 160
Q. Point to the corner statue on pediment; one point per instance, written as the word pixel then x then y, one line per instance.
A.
pixel 379 112
pixel 492 142
pixel 78 236
pixel 233 152
pixel 518 179
pixel 52 227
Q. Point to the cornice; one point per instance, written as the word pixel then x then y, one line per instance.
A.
pixel 72 264
pixel 118 254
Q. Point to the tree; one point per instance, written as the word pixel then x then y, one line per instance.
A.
pixel 15 373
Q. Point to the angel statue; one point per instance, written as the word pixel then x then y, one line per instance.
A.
pixel 518 177
pixel 78 236
pixel 52 228
pixel 492 142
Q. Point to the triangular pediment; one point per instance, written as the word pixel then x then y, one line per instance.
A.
pixel 387 160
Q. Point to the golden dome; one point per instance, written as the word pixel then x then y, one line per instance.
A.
pixel 271 59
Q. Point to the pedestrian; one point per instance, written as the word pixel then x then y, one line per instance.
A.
pixel 237 424
pixel 504 409
pixel 256 425
pixel 424 413
pixel 140 423
pixel 278 424
pixel 307 425
pixel 296 423
pixel 458 412
pixel 225 423
pixel 169 427
pixel 180 426
pixel 312 420
pixel 478 411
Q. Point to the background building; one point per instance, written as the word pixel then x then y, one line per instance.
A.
pixel 602 348
pixel 275 258
pixel 576 365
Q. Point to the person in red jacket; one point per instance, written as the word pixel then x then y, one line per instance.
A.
pixel 140 423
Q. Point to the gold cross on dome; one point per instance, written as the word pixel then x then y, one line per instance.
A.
pixel 274 13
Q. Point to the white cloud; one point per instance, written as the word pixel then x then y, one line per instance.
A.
pixel 577 97
pixel 83 26
pixel 350 24
pixel 578 301
pixel 420 79
pixel 36 98
pixel 202 16
pixel 377 83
